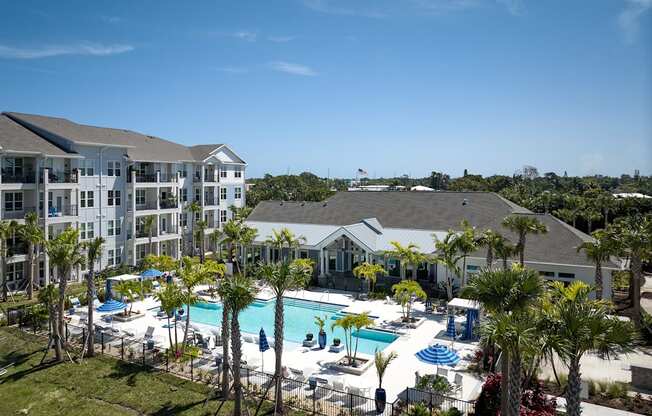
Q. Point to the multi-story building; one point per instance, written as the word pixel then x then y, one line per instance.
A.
pixel 132 189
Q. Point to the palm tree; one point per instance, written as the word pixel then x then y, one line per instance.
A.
pixel 201 237
pixel 31 233
pixel 407 255
pixel 448 257
pixel 352 324
pixel 504 292
pixel 6 232
pixel 235 234
pixel 584 326
pixel 405 293
pixel 285 238
pixel 171 300
pixel 148 223
pixel 282 277
pixel 598 250
pixel 504 249
pixel 633 236
pixel 491 240
pixel 381 362
pixel 240 213
pixel 247 237
pixel 466 244
pixel 369 272
pixel 93 253
pixel 191 275
pixel 523 225
pixel 573 205
pixel 237 293
pixel 194 208
pixel 65 252
pixel 591 214
pixel 48 298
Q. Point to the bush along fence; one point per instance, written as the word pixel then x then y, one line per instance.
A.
pixel 311 395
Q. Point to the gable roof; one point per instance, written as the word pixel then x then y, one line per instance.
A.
pixel 405 216
pixel 203 151
pixel 14 138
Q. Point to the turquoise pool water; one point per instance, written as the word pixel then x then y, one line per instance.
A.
pixel 299 320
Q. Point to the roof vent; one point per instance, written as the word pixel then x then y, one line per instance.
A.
pixel 465 202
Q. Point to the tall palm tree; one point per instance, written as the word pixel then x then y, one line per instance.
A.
pixel 369 272
pixel 201 237
pixel 448 256
pixel 282 277
pixel 93 253
pixel 408 255
pixel 285 238
pixel 598 251
pixel 504 249
pixel 491 240
pixel 523 225
pixel 505 292
pixel 237 293
pixel 591 214
pixel 48 298
pixel 66 253
pixel 191 275
pixel 194 208
pixel 633 236
pixel 247 237
pixel 6 232
pixel 149 224
pixel 31 233
pixel 584 326
pixel 171 299
pixel 466 244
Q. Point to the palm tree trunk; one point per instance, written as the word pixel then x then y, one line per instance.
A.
pixel 225 351
pixel 89 325
pixel 504 262
pixel 636 267
pixel 56 337
pixel 598 280
pixel 449 285
pixel 463 277
pixel 490 256
pixel 170 331
pixel 521 250
pixel 185 331
pixel 236 348
pixel 278 353
pixel 504 383
pixel 515 388
pixel 573 388
pixel 30 281
pixel 63 277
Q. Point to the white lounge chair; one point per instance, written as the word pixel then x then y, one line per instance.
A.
pixel 149 333
pixel 74 302
pixel 388 300
pixel 442 372
pixel 458 383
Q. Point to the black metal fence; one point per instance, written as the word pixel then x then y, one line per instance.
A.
pixel 315 395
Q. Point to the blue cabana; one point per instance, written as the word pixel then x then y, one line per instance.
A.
pixel 151 274
pixel 111 305
pixel 471 319
pixel 450 328
pixel 438 355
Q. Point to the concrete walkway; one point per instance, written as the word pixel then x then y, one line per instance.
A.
pixel 646 304
pixel 595 410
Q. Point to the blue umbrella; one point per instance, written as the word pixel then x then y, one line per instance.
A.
pixel 471 317
pixel 450 328
pixel 438 355
pixel 263 346
pixel 151 273
pixel 111 305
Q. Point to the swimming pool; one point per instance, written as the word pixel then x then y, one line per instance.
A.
pixel 299 320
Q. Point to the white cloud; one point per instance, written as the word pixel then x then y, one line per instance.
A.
pixel 629 18
pixel 87 49
pixel 245 35
pixel 280 39
pixel 294 69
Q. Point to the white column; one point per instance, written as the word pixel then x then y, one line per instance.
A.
pixel 322 260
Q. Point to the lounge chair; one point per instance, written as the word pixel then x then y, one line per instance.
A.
pixel 358 395
pixel 148 334
pixel 298 374
pixel 74 302
pixel 441 371
pixel 458 382
pixel 388 300
pixel 429 308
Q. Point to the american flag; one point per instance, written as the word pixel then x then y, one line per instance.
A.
pixel 362 172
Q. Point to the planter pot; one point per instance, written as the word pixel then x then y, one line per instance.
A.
pixel 322 340
pixel 309 337
pixel 381 400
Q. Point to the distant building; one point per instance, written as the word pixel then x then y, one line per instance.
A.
pixel 631 195
pixel 421 188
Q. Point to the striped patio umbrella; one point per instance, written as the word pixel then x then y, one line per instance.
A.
pixel 438 355
pixel 450 328
pixel 263 346
pixel 151 273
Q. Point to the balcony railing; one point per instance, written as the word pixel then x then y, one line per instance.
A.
pixel 210 177
pixel 169 230
pixel 210 200
pixel 146 178
pixel 17 214
pixel 144 234
pixel 61 176
pixel 63 211
pixel 169 203
pixel 168 177
pixel 8 177
pixel 146 206
pixel 196 177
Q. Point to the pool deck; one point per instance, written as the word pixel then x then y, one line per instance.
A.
pixel 400 374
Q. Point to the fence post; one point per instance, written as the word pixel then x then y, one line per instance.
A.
pixel 102 339
pixel 143 353
pixel 430 403
pixel 351 403
pixel 167 360
pixel 314 394
pixel 122 348
pixel 192 365
pixel 84 342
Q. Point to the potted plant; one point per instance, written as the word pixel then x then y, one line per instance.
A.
pixel 309 336
pixel 381 362
pixel 321 322
pixel 336 342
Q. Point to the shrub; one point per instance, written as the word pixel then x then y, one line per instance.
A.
pixel 489 401
pixel 616 390
pixel 418 409
pixel 434 383
pixel 534 401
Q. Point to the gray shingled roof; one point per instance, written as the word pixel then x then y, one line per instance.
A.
pixel 139 146
pixel 16 138
pixel 436 211
pixel 202 151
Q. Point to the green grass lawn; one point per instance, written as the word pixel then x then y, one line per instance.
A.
pixel 97 386
pixel 20 299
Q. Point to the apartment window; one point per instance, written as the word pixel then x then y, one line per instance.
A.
pixel 114 257
pixel 222 193
pixel 238 193
pixel 547 274
pixel 184 195
pixel 114 227
pixel 237 172
pixel 140 197
pixel 566 275
pixel 13 201
pixel 197 217
pixel 15 272
pixel 114 198
pixel 183 219
pixel 183 172
pixel 109 260
pixel 86 167
pixel 13 166
pixel 197 194
pixel 142 251
pixel 86 230
pixel 113 168
pixel 86 199
pixel 223 173
pixel 222 215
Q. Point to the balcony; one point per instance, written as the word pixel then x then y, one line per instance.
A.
pixel 64 211
pixel 144 234
pixel 145 178
pixel 196 178
pixel 169 230
pixel 210 200
pixel 146 206
pixel 210 177
pixel 13 177
pixel 17 214
pixel 61 176
pixel 168 177
pixel 169 204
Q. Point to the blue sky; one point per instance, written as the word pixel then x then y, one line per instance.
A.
pixel 394 87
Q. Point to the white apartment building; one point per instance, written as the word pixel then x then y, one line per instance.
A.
pixel 106 182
